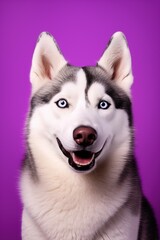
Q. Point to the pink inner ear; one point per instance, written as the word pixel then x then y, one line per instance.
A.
pixel 115 67
pixel 46 71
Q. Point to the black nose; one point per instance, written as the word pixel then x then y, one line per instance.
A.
pixel 84 136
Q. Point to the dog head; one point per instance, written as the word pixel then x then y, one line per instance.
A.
pixel 84 114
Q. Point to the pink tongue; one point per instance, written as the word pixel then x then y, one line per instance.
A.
pixel 82 159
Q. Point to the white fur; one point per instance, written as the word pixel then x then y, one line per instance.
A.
pixel 117 60
pixel 46 62
pixel 64 204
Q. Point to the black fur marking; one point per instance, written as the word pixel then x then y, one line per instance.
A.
pixel 121 101
pixel 125 39
pixel 46 93
pixel 126 76
pixel 137 202
pixel 56 44
pixel 41 34
pixel 130 174
pixel 148 228
pixel 120 98
pixel 43 96
pixel 89 77
pixel 29 163
pixel 49 34
pixel 109 42
pixel 130 167
pixel 68 73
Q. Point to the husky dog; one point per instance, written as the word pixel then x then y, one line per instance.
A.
pixel 79 178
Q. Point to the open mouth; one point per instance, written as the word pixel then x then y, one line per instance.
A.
pixel 80 160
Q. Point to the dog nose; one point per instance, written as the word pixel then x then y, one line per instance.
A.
pixel 84 136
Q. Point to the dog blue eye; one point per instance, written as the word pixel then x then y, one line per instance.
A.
pixel 103 104
pixel 62 103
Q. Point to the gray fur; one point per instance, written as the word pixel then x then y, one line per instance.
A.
pixel 122 101
pixel 135 202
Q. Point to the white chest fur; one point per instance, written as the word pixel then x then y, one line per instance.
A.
pixel 71 206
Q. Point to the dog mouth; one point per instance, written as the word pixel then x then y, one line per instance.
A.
pixel 80 160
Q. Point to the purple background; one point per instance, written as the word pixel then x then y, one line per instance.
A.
pixel 82 29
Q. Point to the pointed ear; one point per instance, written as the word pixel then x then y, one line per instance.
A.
pixel 46 62
pixel 116 60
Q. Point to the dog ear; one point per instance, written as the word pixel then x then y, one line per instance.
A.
pixel 116 60
pixel 46 62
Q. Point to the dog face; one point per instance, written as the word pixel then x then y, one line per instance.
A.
pixel 83 113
